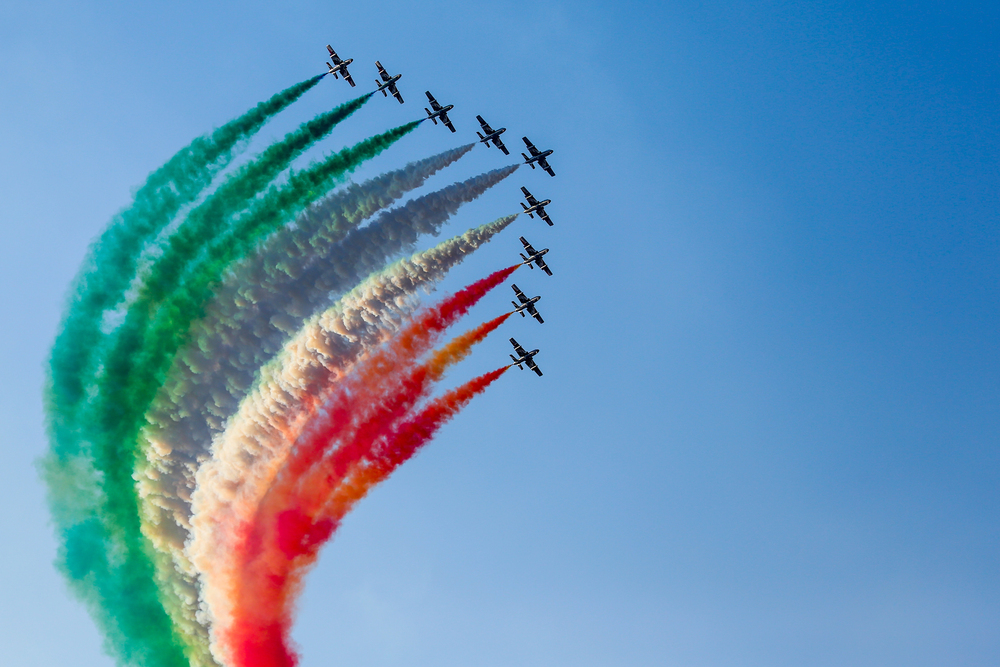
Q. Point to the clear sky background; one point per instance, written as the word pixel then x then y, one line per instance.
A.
pixel 768 428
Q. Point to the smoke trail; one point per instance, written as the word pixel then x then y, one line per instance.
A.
pixel 209 220
pixel 258 441
pixel 74 492
pixel 134 369
pixel 323 349
pixel 226 349
pixel 259 637
pixel 257 310
pixel 110 263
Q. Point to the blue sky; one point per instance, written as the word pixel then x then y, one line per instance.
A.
pixel 768 428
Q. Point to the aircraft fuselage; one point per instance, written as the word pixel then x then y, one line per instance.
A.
pixel 525 358
pixel 385 84
pixel 486 139
pixel 537 207
pixel 341 66
pixel 440 112
pixel 528 259
pixel 524 306
pixel 536 158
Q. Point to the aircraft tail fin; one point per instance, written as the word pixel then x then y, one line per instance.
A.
pixel 519 366
pixel 431 116
pixel 481 138
pixel 530 215
pixel 527 161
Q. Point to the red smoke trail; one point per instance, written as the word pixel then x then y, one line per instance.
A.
pixel 370 378
pixel 400 445
pixel 388 408
pixel 288 532
pixel 260 638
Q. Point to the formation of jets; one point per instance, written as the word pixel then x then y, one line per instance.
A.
pixel 386 84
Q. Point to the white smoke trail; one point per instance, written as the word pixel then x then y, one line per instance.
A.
pixel 178 434
pixel 256 442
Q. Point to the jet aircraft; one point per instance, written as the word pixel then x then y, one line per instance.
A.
pixel 535 206
pixel 524 357
pixel 387 82
pixel 439 111
pixel 339 66
pixel 537 156
pixel 534 257
pixel 526 304
pixel 491 135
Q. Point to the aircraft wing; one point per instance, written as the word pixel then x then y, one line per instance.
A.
pixel 333 54
pixel 518 350
pixel 486 126
pixel 527 246
pixel 395 93
pixel 527 195
pixel 447 122
pixel 434 102
pixel 534 367
pixel 520 297
pixel 534 313
pixel 540 263
pixel 499 144
pixel 531 146
pixel 347 76
pixel 381 71
pixel 545 165
pixel 544 216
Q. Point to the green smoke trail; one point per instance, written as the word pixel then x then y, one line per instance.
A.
pixel 110 263
pixel 209 219
pixel 110 551
pixel 105 275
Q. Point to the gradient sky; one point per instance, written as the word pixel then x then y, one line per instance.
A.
pixel 768 428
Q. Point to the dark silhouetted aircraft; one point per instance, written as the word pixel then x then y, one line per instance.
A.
pixel 523 357
pixel 537 156
pixel 339 66
pixel 535 206
pixel 439 111
pixel 388 82
pixel 534 256
pixel 491 135
pixel 526 304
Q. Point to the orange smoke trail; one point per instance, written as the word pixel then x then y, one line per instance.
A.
pixel 399 446
pixel 287 533
pixel 392 405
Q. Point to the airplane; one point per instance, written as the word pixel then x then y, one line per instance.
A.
pixel 491 135
pixel 387 82
pixel 439 111
pixel 524 357
pixel 339 66
pixel 526 304
pixel 534 256
pixel 537 156
pixel 536 206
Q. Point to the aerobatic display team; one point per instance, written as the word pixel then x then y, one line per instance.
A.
pixel 242 357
